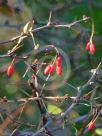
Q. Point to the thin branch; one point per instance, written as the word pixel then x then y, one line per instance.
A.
pixel 51 25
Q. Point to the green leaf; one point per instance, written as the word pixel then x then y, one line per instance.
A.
pixel 99 131
pixel 54 109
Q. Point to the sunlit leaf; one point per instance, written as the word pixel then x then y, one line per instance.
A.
pixel 99 131
pixel 54 109
pixel 28 27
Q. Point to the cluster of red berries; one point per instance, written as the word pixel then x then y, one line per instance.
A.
pixel 49 69
pixel 90 47
pixel 91 126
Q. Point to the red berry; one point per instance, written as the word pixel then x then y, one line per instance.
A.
pixel 59 70
pixel 47 69
pixel 92 48
pixel 52 68
pixel 58 61
pixel 10 70
pixel 91 126
pixel 88 46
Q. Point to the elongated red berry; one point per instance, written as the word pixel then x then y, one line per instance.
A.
pixel 59 70
pixel 52 68
pixel 92 48
pixel 91 126
pixel 88 46
pixel 58 61
pixel 10 70
pixel 47 70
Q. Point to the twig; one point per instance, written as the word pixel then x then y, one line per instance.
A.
pixel 51 25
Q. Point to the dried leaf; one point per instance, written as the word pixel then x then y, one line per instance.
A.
pixel 20 39
pixel 28 27
pixel 18 43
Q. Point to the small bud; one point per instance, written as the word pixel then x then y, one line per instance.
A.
pixel 33 76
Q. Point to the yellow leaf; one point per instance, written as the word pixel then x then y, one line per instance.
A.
pixel 28 27
pixel 54 109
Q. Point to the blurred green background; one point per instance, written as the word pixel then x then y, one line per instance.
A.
pixel 14 14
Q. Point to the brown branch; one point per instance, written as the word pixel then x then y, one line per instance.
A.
pixel 48 99
pixel 51 25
